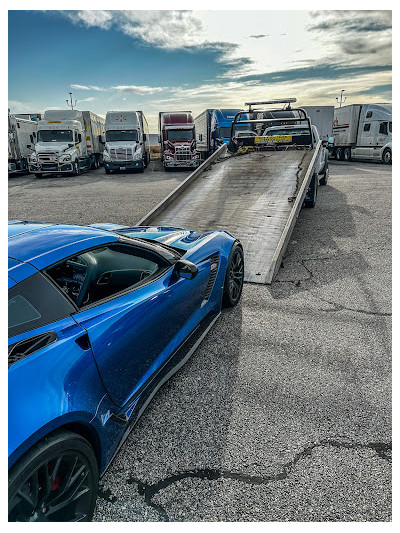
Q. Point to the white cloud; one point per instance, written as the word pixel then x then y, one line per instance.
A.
pixel 86 87
pixel 89 99
pixel 138 89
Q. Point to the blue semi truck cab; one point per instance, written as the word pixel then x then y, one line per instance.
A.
pixel 221 122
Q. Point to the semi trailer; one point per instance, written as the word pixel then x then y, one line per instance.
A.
pixel 255 193
pixel 68 141
pixel 21 141
pixel 127 141
pixel 177 139
pixel 363 131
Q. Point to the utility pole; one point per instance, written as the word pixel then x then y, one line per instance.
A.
pixel 70 103
pixel 341 99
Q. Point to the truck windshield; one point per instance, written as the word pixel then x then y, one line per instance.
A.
pixel 122 135
pixel 54 136
pixel 180 135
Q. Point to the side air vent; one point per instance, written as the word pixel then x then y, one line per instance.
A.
pixel 214 260
pixel 22 349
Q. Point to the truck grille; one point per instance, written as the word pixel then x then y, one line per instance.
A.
pixel 182 153
pixel 47 157
pixel 214 261
pixel 121 154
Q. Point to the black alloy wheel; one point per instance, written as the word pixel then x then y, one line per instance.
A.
pixel 234 277
pixel 56 481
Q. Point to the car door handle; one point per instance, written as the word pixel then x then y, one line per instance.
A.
pixel 83 342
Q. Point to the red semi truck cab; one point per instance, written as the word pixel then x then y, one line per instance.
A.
pixel 178 139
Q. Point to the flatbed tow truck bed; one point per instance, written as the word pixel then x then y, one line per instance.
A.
pixel 255 196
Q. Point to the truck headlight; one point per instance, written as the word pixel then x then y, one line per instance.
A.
pixel 137 155
pixel 33 157
pixel 106 156
pixel 66 157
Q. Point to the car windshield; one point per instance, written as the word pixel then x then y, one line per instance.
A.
pixel 180 135
pixel 288 131
pixel 54 136
pixel 122 135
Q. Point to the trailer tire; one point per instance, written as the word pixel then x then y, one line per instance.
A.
pixel 314 193
pixel 339 154
pixel 387 156
pixel 347 154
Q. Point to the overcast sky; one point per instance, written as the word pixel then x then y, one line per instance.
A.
pixel 193 60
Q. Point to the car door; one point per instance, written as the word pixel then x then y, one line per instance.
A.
pixel 134 329
pixel 48 359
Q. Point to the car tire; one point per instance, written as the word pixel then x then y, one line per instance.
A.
pixel 38 175
pixel 339 154
pixel 55 481
pixel 387 156
pixel 234 277
pixel 347 154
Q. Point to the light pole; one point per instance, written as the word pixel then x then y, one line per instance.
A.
pixel 341 100
pixel 70 103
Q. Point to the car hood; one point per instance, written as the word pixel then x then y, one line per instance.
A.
pixel 181 238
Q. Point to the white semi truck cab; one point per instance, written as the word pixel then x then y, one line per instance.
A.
pixel 127 141
pixel 68 141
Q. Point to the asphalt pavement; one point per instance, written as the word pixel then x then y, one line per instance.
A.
pixel 284 412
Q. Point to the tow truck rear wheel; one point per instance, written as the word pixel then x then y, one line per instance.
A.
pixel 312 193
pixel 234 277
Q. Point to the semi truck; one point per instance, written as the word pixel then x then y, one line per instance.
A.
pixel 213 127
pixel 68 141
pixel 21 141
pixel 177 138
pixel 127 141
pixel 363 131
pixel 255 193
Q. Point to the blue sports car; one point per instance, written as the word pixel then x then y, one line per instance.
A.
pixel 99 318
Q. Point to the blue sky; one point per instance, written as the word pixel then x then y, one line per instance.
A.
pixel 170 60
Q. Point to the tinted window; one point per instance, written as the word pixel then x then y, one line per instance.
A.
pixel 383 128
pixel 367 127
pixel 33 303
pixel 103 272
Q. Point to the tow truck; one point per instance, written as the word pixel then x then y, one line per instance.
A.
pixel 255 191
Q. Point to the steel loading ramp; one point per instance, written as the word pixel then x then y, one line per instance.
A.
pixel 255 196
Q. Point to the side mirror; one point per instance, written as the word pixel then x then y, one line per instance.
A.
pixel 186 269
pixel 79 138
pixel 144 136
pixel 70 145
pixel 159 139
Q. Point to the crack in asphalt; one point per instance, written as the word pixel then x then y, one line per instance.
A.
pixel 336 306
pixel 149 490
